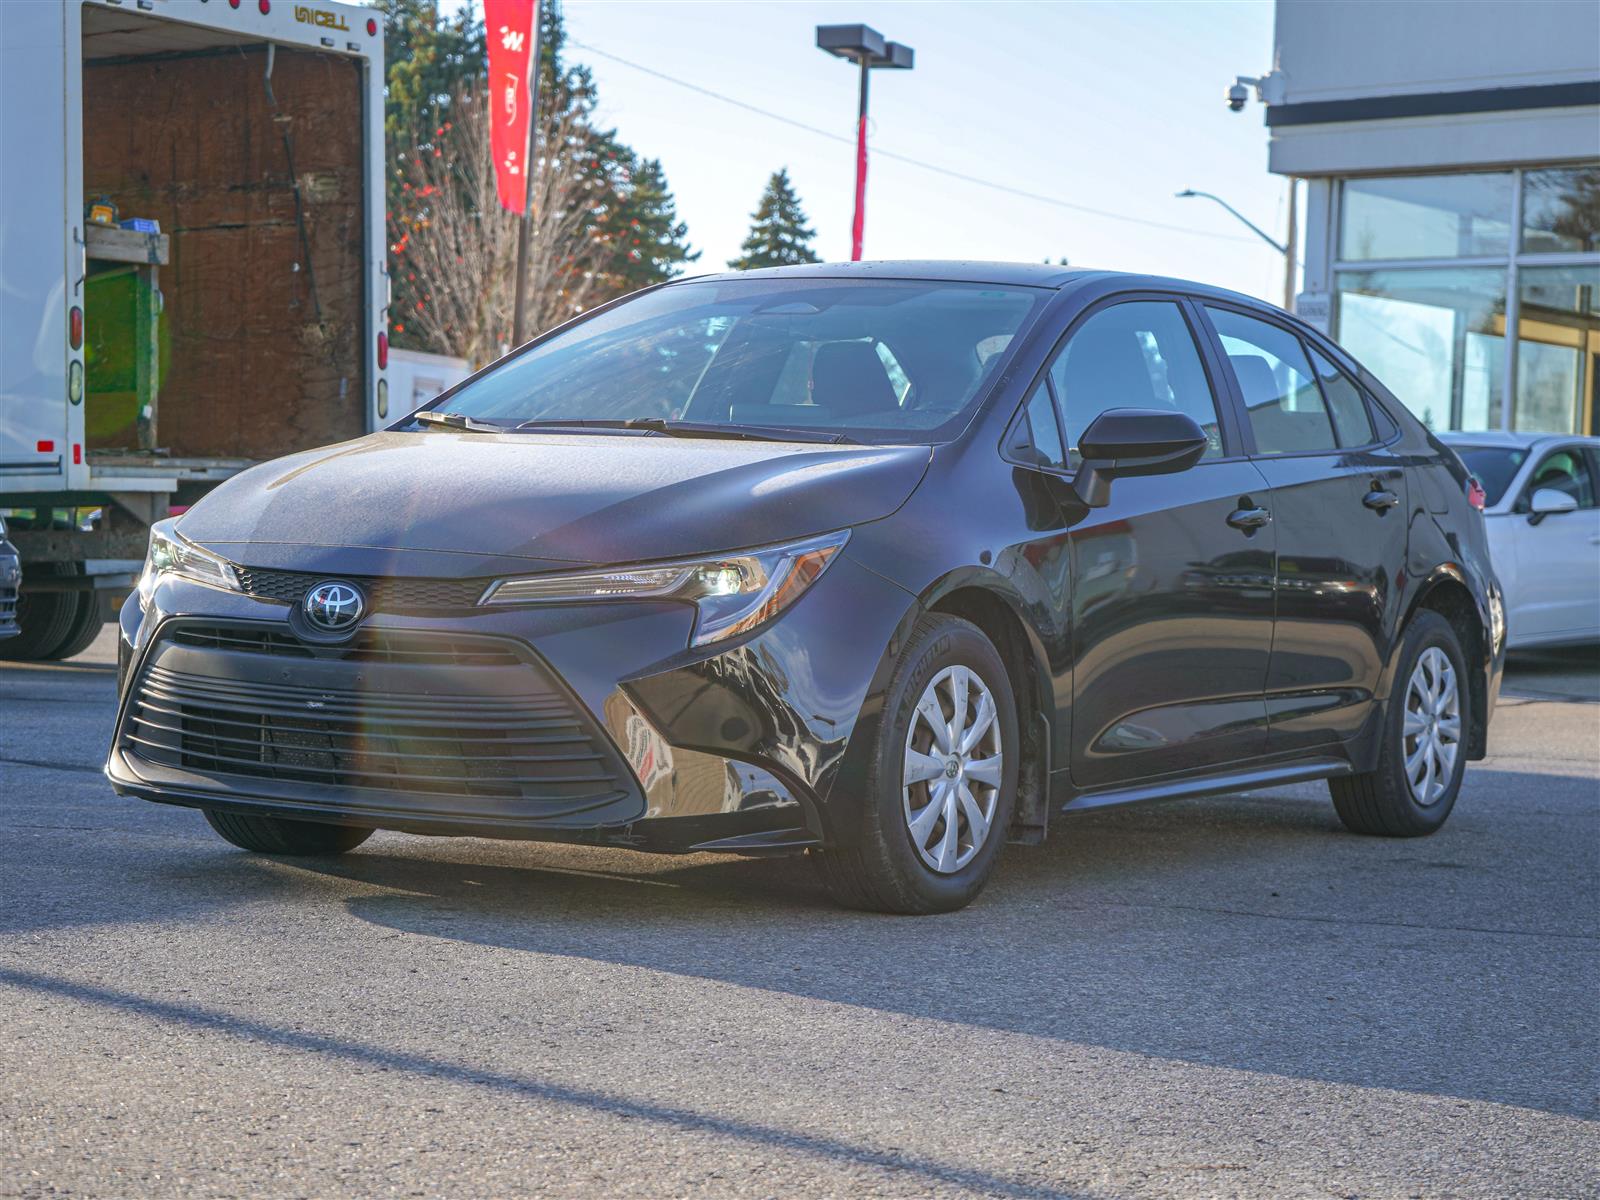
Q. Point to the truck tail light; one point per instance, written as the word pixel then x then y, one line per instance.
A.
pixel 75 327
pixel 45 447
pixel 1476 496
pixel 383 351
pixel 372 27
pixel 265 6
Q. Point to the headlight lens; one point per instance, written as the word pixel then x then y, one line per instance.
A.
pixel 734 593
pixel 170 553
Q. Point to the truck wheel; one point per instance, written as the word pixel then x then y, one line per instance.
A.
pixel 274 835
pixel 86 627
pixel 942 781
pixel 1424 741
pixel 46 619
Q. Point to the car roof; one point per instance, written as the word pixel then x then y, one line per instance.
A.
pixel 1039 275
pixel 1509 439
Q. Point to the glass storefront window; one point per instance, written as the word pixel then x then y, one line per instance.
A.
pixel 1434 336
pixel 1427 216
pixel 1561 210
pixel 1558 348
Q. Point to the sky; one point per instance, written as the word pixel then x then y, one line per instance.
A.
pixel 1107 106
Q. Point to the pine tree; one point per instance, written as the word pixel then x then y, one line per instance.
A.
pixel 429 57
pixel 779 235
pixel 644 228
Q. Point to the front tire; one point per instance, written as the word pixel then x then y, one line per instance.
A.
pixel 275 835
pixel 942 780
pixel 1424 756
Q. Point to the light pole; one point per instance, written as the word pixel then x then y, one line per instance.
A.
pixel 866 47
pixel 1286 251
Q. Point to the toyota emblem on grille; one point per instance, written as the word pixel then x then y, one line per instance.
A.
pixel 333 607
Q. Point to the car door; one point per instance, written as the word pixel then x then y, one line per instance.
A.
pixel 1171 598
pixel 1558 554
pixel 1338 501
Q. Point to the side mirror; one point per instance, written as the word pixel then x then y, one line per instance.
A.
pixel 1548 500
pixel 1134 441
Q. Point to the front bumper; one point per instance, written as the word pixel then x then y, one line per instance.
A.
pixel 10 587
pixel 588 723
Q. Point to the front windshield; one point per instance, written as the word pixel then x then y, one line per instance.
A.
pixel 877 361
pixel 1494 466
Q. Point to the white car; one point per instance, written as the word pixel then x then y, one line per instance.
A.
pixel 1542 509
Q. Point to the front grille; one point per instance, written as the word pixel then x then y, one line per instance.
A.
pixel 411 713
pixel 369 645
pixel 385 593
pixel 8 606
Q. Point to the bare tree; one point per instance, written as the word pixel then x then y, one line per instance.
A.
pixel 457 246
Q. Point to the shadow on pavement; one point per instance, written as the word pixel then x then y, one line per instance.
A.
pixel 198 1017
pixel 1243 932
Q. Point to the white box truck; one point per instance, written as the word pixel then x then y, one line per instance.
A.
pixel 192 269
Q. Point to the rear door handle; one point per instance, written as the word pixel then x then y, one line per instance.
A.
pixel 1380 499
pixel 1249 518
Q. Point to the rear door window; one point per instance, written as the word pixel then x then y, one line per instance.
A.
pixel 1284 403
pixel 1140 354
pixel 1351 419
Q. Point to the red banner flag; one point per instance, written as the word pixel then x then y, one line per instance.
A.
pixel 511 41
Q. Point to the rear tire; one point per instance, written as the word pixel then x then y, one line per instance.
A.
pixel 1412 790
pixel 47 620
pixel 86 626
pixel 275 835
pixel 904 854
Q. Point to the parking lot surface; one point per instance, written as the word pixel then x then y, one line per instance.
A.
pixel 1217 997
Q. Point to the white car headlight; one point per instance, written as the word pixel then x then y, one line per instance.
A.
pixel 734 593
pixel 170 553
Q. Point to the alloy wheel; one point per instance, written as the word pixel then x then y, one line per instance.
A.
pixel 953 770
pixel 1432 728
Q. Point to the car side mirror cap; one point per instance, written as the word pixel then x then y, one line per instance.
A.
pixel 1546 501
pixel 1135 441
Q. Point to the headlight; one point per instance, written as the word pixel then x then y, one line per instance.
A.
pixel 2 525
pixel 734 593
pixel 170 553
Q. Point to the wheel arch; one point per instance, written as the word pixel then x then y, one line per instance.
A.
pixel 986 603
pixel 1447 593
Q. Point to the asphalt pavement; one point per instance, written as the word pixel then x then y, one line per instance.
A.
pixel 1220 997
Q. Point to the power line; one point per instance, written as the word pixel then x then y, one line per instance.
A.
pixel 907 159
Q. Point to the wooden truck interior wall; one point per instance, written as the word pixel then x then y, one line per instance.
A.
pixel 262 344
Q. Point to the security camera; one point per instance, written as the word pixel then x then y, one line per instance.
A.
pixel 1238 96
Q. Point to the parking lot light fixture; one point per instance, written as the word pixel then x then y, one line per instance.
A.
pixel 866 47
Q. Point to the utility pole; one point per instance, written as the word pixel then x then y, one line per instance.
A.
pixel 1289 255
pixel 519 310
pixel 865 46
pixel 1286 251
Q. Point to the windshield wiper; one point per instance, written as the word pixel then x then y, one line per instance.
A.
pixel 450 420
pixel 557 424
pixel 748 433
pixel 688 429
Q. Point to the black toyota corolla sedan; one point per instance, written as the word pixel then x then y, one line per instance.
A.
pixel 890 563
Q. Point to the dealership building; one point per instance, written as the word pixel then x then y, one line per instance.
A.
pixel 1451 164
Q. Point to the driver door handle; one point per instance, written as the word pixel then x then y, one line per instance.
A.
pixel 1249 518
pixel 1380 499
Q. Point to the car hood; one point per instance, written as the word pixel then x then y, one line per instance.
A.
pixel 448 503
